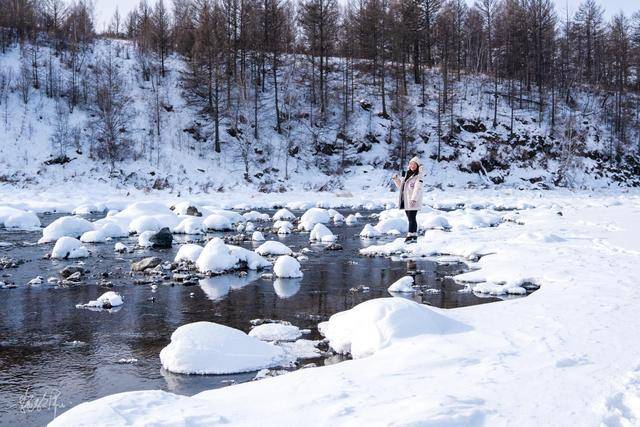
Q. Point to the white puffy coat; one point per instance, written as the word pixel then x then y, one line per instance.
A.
pixel 411 189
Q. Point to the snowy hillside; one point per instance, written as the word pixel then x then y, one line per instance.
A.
pixel 310 153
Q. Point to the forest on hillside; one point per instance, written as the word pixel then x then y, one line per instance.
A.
pixel 388 59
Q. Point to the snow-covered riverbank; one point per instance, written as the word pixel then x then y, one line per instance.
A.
pixel 568 354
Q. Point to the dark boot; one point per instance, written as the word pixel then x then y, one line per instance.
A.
pixel 411 238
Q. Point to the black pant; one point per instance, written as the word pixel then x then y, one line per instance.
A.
pixel 413 224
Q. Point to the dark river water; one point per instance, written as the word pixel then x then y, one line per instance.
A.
pixel 54 356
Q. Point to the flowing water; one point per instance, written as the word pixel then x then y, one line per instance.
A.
pixel 54 356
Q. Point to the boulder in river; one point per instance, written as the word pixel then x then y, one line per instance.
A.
pixel 142 265
pixel 162 239
pixel 72 270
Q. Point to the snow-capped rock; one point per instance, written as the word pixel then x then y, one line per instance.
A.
pixel 188 252
pixel 68 248
pixel 369 231
pixel 312 217
pixel 273 248
pixel 403 285
pixel 217 222
pixel 70 226
pixel 283 214
pixel 321 233
pixel 105 301
pixel 287 267
pixel 208 348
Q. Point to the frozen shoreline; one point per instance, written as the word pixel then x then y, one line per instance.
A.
pixel 567 354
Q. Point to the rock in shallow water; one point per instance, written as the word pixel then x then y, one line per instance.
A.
pixel 142 265
pixel 162 239
pixel 72 270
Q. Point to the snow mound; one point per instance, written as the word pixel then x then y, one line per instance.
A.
pixel 233 217
pixel 351 220
pixel 312 217
pixel 321 233
pixel 283 227
pixel 144 239
pixel 93 236
pixel 369 231
pixel 256 216
pixel 88 209
pixel 217 222
pixel 404 285
pixel 106 301
pixel 283 214
pixel 216 257
pixel 188 252
pixel 378 323
pixel 68 248
pixel 144 223
pixel 287 267
pixel 257 236
pixel 22 220
pixel 273 248
pixel 70 226
pixel 276 332
pixel 190 225
pixel 432 221
pixel 207 348
pixel 392 225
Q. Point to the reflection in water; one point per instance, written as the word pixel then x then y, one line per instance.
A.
pixel 38 325
pixel 218 287
pixel 286 288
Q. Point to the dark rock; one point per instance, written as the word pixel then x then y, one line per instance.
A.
pixel 193 211
pixel 75 277
pixel 334 247
pixel 162 239
pixel 142 265
pixel 72 270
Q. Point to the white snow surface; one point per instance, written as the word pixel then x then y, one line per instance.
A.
pixel 211 348
pixel 276 332
pixel 567 354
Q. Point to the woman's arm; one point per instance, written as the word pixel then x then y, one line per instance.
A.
pixel 417 189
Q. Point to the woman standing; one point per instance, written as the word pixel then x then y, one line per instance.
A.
pixel 410 200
